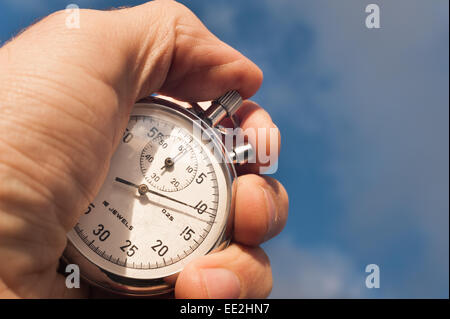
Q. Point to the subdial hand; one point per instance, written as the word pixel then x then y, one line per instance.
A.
pixel 170 161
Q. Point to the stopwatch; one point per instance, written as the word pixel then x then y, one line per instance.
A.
pixel 168 197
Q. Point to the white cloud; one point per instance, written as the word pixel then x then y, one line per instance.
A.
pixel 386 119
pixel 313 272
pixel 219 17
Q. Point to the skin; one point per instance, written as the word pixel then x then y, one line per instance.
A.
pixel 66 95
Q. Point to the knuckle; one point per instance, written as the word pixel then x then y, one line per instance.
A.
pixel 56 15
pixel 261 256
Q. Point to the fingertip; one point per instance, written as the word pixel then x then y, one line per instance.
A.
pixel 190 284
pixel 261 209
pixel 221 283
pixel 251 80
pixel 196 282
pixel 263 134
pixel 238 271
pixel 251 218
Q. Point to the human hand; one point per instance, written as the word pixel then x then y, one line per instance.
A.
pixel 66 95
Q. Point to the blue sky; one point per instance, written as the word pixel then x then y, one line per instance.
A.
pixel 364 122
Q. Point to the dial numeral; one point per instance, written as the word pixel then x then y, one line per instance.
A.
pixel 101 232
pixel 189 169
pixel 149 158
pixel 89 208
pixel 175 183
pixel 161 140
pixel 200 178
pixel 160 248
pixel 201 207
pixel 187 232
pixel 155 177
pixel 152 132
pixel 129 250
pixel 159 135
pixel 127 136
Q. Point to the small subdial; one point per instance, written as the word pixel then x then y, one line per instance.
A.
pixel 168 163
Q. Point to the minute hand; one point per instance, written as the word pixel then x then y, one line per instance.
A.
pixel 145 189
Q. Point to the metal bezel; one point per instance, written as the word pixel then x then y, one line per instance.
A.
pixel 100 277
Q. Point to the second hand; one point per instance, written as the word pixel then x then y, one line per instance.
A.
pixel 142 189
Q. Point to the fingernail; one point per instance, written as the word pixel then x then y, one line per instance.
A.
pixel 271 211
pixel 221 283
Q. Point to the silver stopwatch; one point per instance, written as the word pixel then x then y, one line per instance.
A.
pixel 168 198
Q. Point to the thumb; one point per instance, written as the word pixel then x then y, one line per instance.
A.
pixel 66 96
pixel 75 87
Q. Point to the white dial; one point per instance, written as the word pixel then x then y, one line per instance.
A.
pixel 165 200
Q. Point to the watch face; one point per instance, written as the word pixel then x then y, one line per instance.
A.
pixel 165 201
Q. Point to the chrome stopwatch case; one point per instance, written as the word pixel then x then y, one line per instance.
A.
pixel 168 198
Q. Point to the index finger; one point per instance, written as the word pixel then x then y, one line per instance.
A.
pixel 264 136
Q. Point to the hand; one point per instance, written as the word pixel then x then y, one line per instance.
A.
pixel 65 99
